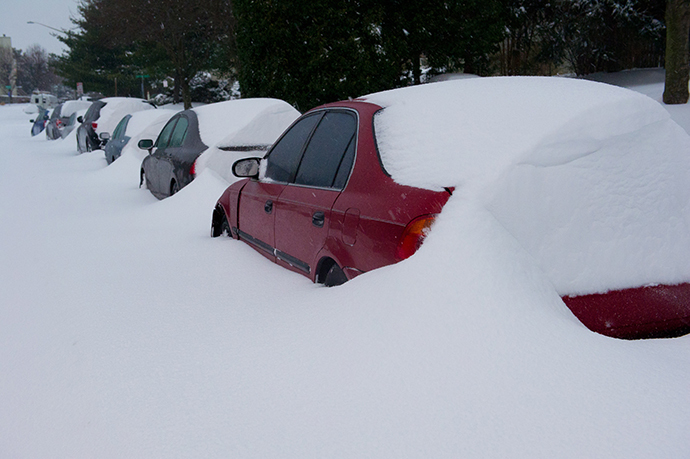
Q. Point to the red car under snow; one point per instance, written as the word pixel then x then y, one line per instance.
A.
pixel 325 207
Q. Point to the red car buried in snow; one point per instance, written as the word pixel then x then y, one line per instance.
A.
pixel 326 207
pixel 321 203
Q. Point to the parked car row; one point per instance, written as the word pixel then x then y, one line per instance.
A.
pixel 317 194
pixel 64 118
pixel 102 117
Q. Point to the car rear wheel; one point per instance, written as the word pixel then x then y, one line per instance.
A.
pixel 334 276
pixel 174 187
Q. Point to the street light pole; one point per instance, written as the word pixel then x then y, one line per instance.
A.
pixel 53 28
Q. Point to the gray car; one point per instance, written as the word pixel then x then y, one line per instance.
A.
pixel 63 119
pixel 170 164
pixel 113 148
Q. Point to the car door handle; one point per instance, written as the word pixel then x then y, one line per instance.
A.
pixel 317 219
pixel 268 207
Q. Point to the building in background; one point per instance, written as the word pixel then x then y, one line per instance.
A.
pixel 9 69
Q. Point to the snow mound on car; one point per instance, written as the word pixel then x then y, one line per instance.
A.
pixel 71 106
pixel 224 120
pixel 145 125
pixel 263 121
pixel 116 108
pixel 590 179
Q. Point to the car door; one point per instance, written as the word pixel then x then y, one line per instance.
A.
pixel 169 158
pixel 151 165
pixel 303 210
pixel 257 204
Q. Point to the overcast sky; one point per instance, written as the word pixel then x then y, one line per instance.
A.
pixel 14 15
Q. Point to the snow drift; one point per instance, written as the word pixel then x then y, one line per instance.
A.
pixel 591 179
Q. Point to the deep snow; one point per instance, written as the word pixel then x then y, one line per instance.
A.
pixel 126 331
pixel 590 178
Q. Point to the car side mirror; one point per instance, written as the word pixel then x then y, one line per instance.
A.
pixel 80 119
pixel 104 136
pixel 145 144
pixel 246 168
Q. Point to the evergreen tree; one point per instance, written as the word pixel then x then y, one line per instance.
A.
pixel 93 60
pixel 309 53
pixel 188 35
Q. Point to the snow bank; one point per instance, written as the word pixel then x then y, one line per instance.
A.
pixel 591 179
pixel 127 331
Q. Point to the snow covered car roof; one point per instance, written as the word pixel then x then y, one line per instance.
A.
pixel 116 108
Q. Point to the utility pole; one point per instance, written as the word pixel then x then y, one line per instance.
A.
pixel 143 96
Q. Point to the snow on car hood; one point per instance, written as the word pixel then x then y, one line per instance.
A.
pixel 590 179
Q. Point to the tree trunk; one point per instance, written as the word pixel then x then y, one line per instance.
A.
pixel 186 93
pixel 176 88
pixel 677 67
pixel 417 68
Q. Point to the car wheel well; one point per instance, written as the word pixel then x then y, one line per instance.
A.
pixel 219 222
pixel 329 273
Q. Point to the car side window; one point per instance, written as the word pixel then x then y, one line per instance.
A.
pixel 164 137
pixel 180 132
pixel 326 150
pixel 284 157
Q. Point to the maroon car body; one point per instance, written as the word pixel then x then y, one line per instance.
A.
pixel 358 222
pixel 362 220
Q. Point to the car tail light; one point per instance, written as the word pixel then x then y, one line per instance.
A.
pixel 94 126
pixel 192 169
pixel 58 123
pixel 413 236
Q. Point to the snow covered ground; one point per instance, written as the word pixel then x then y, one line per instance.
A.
pixel 127 331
